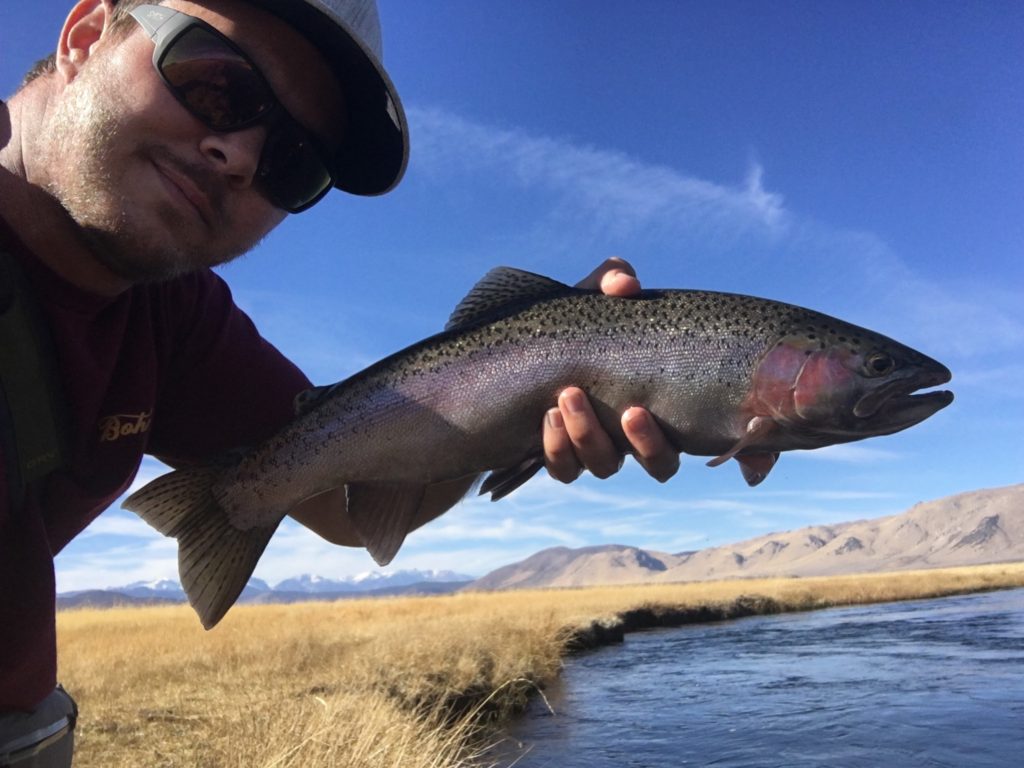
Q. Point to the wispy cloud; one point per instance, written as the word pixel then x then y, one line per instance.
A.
pixel 597 194
pixel 147 557
pixel 848 454
pixel 619 498
pixel 504 529
pixel 997 380
pixel 972 319
pixel 832 495
pixel 113 523
pixel 619 194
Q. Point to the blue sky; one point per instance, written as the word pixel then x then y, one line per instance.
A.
pixel 863 159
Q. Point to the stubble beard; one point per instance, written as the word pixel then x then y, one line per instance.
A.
pixel 83 138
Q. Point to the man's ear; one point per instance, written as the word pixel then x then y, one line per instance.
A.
pixel 85 25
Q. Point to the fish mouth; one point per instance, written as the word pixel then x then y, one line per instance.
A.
pixel 900 401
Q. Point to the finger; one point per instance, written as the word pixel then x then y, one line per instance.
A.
pixel 593 446
pixel 559 455
pixel 653 451
pixel 614 277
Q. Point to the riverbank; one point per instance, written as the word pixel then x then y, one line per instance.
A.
pixel 400 681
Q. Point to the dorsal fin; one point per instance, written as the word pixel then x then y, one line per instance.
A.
pixel 308 399
pixel 501 286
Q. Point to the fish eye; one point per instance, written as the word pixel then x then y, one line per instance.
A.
pixel 879 364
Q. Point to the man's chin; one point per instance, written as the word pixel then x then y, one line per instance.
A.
pixel 137 261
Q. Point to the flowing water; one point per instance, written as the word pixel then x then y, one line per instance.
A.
pixel 922 684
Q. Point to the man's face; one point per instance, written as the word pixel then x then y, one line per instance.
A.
pixel 156 192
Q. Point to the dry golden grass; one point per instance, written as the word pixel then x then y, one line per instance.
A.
pixel 369 683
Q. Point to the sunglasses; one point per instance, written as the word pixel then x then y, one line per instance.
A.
pixel 221 86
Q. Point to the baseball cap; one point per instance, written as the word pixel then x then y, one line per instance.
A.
pixel 375 145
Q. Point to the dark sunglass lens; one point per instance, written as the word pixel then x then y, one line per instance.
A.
pixel 215 82
pixel 292 170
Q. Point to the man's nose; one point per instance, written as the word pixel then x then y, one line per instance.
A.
pixel 235 155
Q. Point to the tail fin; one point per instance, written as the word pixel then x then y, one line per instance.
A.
pixel 215 559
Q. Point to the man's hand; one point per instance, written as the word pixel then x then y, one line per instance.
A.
pixel 574 439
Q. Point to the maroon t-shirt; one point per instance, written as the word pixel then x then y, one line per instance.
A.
pixel 172 369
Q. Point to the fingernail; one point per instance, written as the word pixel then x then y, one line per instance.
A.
pixel 610 279
pixel 573 402
pixel 620 283
pixel 554 417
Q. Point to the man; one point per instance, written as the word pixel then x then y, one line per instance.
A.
pixel 158 142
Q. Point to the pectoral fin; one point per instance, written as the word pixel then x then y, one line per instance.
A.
pixel 501 482
pixel 758 428
pixel 382 514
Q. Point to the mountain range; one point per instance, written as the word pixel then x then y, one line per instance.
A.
pixel 974 528
pixel 296 589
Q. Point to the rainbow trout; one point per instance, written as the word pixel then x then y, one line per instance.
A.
pixel 725 375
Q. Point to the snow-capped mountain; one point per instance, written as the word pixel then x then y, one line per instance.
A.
pixel 255 587
pixel 289 590
pixel 313 584
pixel 166 588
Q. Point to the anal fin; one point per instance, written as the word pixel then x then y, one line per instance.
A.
pixel 382 514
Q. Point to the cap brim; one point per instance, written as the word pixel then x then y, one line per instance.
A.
pixel 375 147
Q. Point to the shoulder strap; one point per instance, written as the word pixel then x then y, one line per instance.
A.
pixel 31 405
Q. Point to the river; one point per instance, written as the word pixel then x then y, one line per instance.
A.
pixel 921 684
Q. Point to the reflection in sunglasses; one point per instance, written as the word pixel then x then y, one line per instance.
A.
pixel 220 93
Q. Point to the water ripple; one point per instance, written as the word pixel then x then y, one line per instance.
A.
pixel 923 684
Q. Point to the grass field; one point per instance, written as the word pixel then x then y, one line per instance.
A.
pixel 390 682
